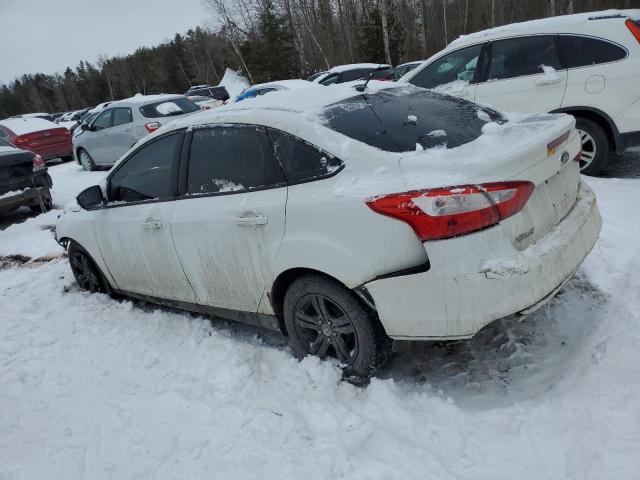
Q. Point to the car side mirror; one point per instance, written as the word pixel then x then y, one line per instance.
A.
pixel 84 127
pixel 91 197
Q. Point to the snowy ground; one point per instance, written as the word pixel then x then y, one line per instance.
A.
pixel 93 388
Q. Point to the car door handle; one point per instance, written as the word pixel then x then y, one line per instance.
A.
pixel 151 224
pixel 254 220
pixel 128 130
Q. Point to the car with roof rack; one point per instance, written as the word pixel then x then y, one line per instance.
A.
pixel 586 65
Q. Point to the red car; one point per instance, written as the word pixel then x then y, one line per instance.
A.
pixel 41 136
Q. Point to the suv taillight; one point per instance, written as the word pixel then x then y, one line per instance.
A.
pixel 38 163
pixel 18 141
pixel 634 28
pixel 152 126
pixel 452 211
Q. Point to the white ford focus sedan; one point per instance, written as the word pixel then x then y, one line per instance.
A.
pixel 343 218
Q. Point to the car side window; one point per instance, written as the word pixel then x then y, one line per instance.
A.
pixel 519 57
pixel 301 160
pixel 103 120
pixel 582 51
pixel 459 65
pixel 262 91
pixel 231 158
pixel 352 75
pixel 148 173
pixel 122 116
pixel 330 80
pixel 3 134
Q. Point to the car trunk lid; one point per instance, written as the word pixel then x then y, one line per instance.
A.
pixel 43 138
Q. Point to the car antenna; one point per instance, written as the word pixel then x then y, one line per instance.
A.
pixel 363 87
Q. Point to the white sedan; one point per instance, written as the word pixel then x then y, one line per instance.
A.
pixel 343 219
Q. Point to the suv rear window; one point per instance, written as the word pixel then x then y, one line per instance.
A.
pixel 582 51
pixel 405 119
pixel 168 108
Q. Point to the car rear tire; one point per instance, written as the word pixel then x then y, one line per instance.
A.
pixel 596 151
pixel 86 161
pixel 324 318
pixel 85 272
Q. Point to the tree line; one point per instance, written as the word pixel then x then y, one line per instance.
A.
pixel 278 39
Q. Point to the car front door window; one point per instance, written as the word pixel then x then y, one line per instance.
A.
pixel 103 121
pixel 457 66
pixel 148 173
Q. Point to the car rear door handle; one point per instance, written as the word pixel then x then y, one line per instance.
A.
pixel 549 81
pixel 253 220
pixel 152 224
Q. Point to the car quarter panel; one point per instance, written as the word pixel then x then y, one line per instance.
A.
pixel 465 291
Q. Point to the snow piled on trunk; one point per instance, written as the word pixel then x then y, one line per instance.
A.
pixel 91 387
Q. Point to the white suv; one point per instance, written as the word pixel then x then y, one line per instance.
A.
pixel 587 65
pixel 342 218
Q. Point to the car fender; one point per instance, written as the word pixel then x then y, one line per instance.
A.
pixel 77 224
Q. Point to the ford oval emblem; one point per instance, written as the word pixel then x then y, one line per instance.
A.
pixel 564 158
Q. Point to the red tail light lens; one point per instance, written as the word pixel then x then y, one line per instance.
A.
pixel 634 28
pixel 18 141
pixel 38 163
pixel 152 126
pixel 452 211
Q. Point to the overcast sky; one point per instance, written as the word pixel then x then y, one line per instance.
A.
pixel 49 35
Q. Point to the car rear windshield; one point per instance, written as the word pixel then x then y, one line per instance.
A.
pixel 405 119
pixel 168 108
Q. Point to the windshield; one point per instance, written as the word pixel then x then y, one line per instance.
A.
pixel 404 119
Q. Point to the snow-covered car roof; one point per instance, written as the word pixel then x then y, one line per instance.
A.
pixel 143 99
pixel 564 23
pixel 355 66
pixel 347 67
pixel 33 115
pixel 416 62
pixel 285 84
pixel 25 125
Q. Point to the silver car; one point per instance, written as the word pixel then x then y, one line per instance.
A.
pixel 101 141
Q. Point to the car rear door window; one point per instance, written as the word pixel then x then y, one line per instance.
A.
pixel 301 160
pixel 459 65
pixel 147 174
pixel 351 75
pixel 330 79
pixel 231 158
pixel 518 57
pixel 121 116
pixel 582 51
pixel 104 120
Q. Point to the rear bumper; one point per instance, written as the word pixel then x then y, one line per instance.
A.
pixel 449 301
pixel 47 152
pixel 28 196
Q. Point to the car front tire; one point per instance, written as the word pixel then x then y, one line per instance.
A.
pixel 596 151
pixel 85 271
pixel 324 318
pixel 86 161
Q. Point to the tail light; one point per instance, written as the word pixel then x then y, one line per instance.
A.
pixel 452 211
pixel 152 126
pixel 634 28
pixel 38 163
pixel 206 107
pixel 20 141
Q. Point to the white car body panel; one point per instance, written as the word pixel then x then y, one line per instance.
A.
pixel 136 245
pixel 227 244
